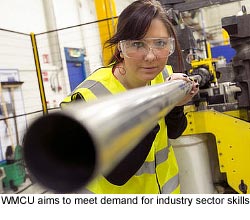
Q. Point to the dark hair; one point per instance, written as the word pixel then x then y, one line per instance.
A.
pixel 134 22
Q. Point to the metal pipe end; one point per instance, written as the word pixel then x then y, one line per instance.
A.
pixel 59 153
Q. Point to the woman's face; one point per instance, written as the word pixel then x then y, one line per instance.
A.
pixel 143 69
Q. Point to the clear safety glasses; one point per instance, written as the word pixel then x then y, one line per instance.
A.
pixel 138 49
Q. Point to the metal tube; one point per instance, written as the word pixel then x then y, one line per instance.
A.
pixel 65 150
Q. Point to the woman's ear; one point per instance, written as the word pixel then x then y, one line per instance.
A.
pixel 120 51
pixel 121 54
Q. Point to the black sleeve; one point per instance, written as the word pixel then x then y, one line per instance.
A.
pixel 133 161
pixel 176 122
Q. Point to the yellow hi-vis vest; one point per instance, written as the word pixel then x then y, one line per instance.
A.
pixel 159 172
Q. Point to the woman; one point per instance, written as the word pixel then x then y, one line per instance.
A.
pixel 143 41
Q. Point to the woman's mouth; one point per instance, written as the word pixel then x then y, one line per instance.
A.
pixel 149 69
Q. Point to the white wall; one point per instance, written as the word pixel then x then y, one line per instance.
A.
pixel 16 54
pixel 90 34
pixel 24 16
pixel 120 5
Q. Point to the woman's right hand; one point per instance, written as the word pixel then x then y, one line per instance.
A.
pixel 194 90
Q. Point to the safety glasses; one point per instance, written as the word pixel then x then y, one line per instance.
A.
pixel 138 49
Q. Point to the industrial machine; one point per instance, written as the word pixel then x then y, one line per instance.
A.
pixel 223 107
pixel 219 115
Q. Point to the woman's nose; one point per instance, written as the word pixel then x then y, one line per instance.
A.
pixel 150 55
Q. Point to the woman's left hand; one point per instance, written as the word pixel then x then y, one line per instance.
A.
pixel 194 90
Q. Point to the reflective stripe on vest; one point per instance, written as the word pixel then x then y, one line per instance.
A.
pixel 95 87
pixel 162 155
pixel 149 167
pixel 171 185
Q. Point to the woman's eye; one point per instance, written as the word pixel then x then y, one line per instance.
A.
pixel 137 44
pixel 160 43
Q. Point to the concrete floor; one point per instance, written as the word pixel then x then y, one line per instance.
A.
pixel 28 188
pixel 31 187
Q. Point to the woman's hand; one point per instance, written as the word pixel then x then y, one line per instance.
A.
pixel 194 90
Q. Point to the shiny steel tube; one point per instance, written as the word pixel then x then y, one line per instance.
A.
pixel 63 151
